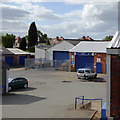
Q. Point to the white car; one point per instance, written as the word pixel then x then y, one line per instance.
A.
pixel 85 73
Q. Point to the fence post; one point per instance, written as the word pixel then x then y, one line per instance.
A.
pixel 75 103
pixel 83 100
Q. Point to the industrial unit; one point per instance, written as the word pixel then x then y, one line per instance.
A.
pixel 89 54
pixel 59 51
pixel 15 57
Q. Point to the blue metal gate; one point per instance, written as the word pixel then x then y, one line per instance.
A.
pixel 84 62
pixel 98 67
pixel 60 55
pixel 22 60
pixel 9 60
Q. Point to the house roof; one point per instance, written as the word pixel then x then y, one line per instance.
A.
pixel 115 42
pixel 16 51
pixel 91 46
pixel 86 38
pixel 73 41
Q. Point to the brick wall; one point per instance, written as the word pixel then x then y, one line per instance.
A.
pixel 72 67
pixel 115 87
pixel 102 57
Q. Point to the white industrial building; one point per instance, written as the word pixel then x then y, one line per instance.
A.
pixel 59 51
pixel 91 54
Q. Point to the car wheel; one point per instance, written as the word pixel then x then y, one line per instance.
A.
pixel 86 77
pixel 9 88
pixel 95 76
pixel 25 86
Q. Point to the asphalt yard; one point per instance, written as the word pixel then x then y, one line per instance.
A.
pixel 50 95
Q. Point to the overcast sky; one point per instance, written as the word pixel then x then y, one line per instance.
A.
pixel 66 18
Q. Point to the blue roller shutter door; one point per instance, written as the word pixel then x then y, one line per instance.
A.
pixel 60 55
pixel 22 60
pixel 84 62
pixel 9 60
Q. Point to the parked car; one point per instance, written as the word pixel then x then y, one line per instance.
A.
pixel 17 82
pixel 86 73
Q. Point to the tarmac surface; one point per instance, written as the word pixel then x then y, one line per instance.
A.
pixel 50 95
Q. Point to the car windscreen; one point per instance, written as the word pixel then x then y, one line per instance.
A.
pixel 80 71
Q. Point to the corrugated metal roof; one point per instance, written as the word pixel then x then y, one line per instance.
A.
pixel 91 46
pixel 115 43
pixel 17 51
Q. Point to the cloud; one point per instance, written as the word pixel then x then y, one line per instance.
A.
pixel 89 1
pixel 13 14
pixel 16 18
pixel 66 1
pixel 94 19
pixel 97 19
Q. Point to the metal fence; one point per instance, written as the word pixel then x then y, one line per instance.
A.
pixel 32 63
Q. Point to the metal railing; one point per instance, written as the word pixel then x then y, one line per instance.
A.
pixel 44 64
pixel 82 98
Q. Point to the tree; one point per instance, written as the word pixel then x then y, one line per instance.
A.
pixel 48 42
pixel 8 40
pixel 108 38
pixel 0 38
pixel 32 35
pixel 32 49
pixel 39 33
pixel 40 37
pixel 43 38
pixel 23 44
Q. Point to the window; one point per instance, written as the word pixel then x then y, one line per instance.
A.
pixel 87 71
pixel 80 71
pixel 21 79
pixel 15 80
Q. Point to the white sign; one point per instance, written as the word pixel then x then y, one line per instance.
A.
pixel 98 60
pixel 72 56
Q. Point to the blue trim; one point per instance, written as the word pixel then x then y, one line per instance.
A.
pixel 4 88
pixel 98 67
pixel 84 54
pixel 103 112
pixel 83 98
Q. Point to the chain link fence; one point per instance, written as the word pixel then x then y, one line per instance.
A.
pixel 32 63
